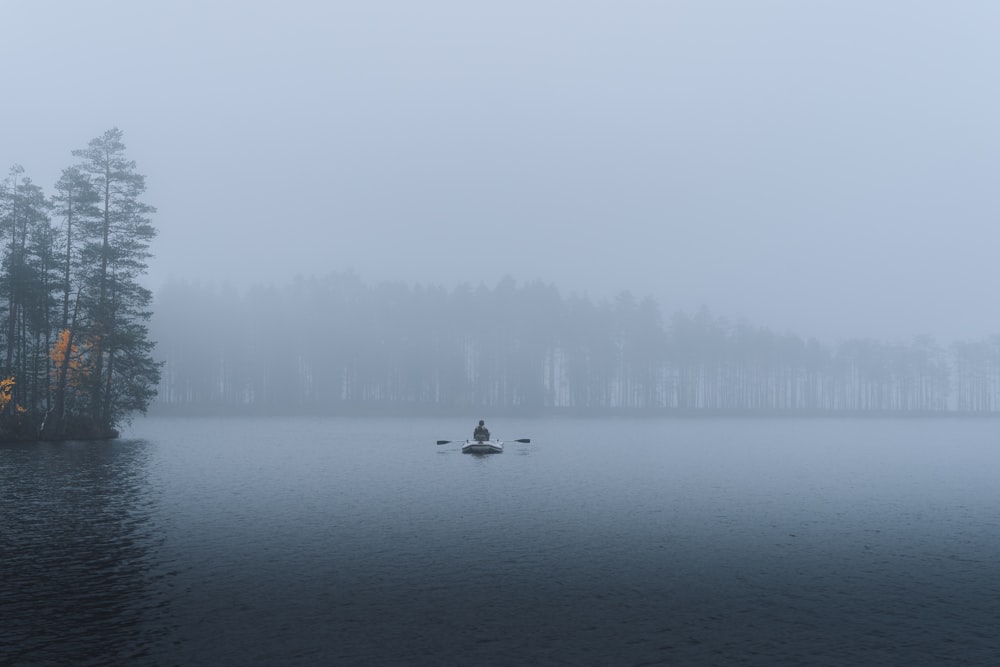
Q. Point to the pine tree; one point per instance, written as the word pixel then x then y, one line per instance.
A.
pixel 75 200
pixel 26 233
pixel 114 308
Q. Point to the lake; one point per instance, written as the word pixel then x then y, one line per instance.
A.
pixel 307 541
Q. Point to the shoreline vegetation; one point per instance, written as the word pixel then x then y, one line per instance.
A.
pixel 337 345
pixel 77 358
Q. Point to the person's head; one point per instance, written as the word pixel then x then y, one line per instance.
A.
pixel 481 422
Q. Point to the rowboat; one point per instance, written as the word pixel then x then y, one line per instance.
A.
pixel 482 447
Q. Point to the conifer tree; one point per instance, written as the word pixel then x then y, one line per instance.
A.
pixel 75 200
pixel 24 225
pixel 114 307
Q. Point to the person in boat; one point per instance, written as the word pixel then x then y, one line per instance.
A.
pixel 481 433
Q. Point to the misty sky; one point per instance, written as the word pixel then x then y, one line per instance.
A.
pixel 828 168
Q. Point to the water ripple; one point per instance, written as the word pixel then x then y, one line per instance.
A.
pixel 346 542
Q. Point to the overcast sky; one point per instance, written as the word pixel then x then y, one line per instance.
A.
pixel 827 168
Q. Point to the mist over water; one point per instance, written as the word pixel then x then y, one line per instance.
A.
pixel 289 541
pixel 680 208
pixel 824 169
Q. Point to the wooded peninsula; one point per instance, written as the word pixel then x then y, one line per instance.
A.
pixel 73 316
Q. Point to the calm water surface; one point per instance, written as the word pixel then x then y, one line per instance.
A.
pixel 358 541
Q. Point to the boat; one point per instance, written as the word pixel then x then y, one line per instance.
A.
pixel 482 447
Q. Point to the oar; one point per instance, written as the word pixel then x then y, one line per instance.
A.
pixel 446 442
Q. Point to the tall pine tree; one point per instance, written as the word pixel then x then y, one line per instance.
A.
pixel 114 308
pixel 26 232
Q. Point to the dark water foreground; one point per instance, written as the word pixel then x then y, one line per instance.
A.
pixel 326 541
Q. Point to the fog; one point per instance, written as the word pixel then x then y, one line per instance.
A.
pixel 827 169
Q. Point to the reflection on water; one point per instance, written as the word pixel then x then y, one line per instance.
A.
pixel 315 541
pixel 76 548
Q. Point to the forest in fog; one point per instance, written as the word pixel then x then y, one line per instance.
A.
pixel 337 345
pixel 73 312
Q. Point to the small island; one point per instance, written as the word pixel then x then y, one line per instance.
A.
pixel 78 359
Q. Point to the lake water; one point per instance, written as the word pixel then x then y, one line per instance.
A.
pixel 632 542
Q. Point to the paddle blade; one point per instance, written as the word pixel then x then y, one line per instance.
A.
pixel 524 440
pixel 443 442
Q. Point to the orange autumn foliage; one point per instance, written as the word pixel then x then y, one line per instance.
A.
pixel 76 367
pixel 6 392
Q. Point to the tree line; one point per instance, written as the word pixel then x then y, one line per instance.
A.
pixel 338 345
pixel 77 357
